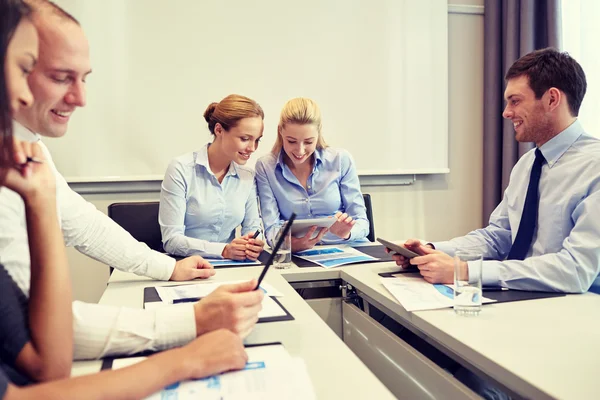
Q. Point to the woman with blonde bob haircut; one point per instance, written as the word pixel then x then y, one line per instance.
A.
pixel 208 193
pixel 305 176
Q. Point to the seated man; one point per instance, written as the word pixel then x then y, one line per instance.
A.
pixel 545 234
pixel 58 86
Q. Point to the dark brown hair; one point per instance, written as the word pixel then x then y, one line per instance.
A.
pixel 548 68
pixel 11 14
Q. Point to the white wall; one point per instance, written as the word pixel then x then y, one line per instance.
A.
pixel 435 207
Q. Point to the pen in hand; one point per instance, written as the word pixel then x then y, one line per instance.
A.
pixel 256 234
pixel 31 160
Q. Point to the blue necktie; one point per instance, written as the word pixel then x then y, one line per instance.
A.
pixel 529 217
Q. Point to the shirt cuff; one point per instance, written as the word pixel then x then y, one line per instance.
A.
pixel 175 326
pixel 163 267
pixel 490 273
pixel 445 247
pixel 214 250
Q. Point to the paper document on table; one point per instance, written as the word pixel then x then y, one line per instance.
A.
pixel 330 257
pixel 416 294
pixel 170 293
pixel 270 373
pixel 223 262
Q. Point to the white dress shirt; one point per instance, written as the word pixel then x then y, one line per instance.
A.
pixel 565 251
pixel 198 214
pixel 99 330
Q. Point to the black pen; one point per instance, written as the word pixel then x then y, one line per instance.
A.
pixel 31 160
pixel 187 300
pixel 256 234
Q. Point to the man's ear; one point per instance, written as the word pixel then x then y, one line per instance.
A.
pixel 554 98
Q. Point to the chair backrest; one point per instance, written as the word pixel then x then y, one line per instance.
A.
pixel 140 219
pixel 369 207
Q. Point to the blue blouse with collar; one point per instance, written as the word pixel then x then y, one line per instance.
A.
pixel 332 186
pixel 199 215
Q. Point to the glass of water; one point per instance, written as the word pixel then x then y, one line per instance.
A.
pixel 283 258
pixel 467 282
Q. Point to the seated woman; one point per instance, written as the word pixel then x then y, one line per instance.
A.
pixel 45 351
pixel 36 336
pixel 207 194
pixel 303 175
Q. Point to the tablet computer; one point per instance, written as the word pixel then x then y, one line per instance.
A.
pixel 398 248
pixel 301 226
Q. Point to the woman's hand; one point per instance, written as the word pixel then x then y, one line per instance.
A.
pixel 342 226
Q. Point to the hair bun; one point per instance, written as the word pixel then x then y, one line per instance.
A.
pixel 209 111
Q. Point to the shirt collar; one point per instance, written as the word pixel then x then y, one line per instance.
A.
pixel 202 159
pixel 22 133
pixel 559 144
pixel 318 158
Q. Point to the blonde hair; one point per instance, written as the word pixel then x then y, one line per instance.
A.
pixel 229 111
pixel 301 111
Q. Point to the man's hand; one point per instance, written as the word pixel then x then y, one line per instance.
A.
pixel 193 267
pixel 234 307
pixel 213 353
pixel 413 245
pixel 435 266
pixel 305 242
pixel 342 227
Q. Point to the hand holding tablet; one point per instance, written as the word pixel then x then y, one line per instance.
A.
pixel 398 248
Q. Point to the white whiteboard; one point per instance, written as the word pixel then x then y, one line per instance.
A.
pixel 377 68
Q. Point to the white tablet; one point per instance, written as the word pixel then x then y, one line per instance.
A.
pixel 301 226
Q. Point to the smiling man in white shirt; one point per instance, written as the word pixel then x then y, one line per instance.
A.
pixel 58 85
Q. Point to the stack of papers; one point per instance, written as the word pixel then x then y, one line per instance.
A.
pixel 271 373
pixel 334 256
pixel 416 294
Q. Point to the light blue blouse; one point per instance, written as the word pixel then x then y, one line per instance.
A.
pixel 199 215
pixel 332 186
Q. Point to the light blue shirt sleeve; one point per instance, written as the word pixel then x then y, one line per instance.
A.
pixel 172 216
pixel 573 269
pixel 353 202
pixel 492 242
pixel 268 204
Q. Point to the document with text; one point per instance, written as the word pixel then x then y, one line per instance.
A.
pixel 330 257
pixel 270 373
pixel 416 294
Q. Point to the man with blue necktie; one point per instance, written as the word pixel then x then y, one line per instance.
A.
pixel 545 234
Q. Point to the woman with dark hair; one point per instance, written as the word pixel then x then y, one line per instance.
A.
pixel 44 352
pixel 36 337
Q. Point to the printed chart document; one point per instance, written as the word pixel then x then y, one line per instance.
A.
pixel 334 256
pixel 224 262
pixel 271 373
pixel 416 294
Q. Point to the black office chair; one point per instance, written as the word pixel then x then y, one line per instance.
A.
pixel 140 219
pixel 369 207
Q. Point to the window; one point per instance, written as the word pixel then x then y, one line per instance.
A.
pixel 580 32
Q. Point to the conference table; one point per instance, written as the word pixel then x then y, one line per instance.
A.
pixel 543 349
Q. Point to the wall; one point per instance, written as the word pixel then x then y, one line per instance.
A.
pixel 435 207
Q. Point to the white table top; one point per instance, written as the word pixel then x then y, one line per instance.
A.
pixel 546 348
pixel 333 368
